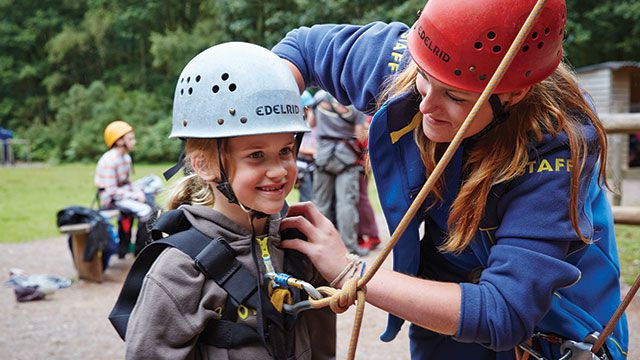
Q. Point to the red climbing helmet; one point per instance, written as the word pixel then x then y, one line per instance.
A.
pixel 461 42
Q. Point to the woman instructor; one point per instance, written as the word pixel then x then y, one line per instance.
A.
pixel 518 243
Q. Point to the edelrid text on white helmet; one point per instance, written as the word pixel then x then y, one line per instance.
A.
pixel 236 89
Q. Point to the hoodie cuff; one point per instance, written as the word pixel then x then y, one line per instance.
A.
pixel 469 313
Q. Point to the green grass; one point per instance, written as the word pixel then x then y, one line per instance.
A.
pixel 628 238
pixel 31 197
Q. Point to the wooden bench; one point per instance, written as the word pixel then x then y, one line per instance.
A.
pixel 87 270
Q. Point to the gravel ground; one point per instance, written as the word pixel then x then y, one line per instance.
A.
pixel 72 323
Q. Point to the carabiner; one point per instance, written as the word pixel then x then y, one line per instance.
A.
pixel 296 308
pixel 288 280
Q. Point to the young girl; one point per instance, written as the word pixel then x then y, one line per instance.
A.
pixel 518 248
pixel 238 108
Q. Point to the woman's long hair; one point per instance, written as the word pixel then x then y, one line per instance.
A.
pixel 552 106
pixel 192 189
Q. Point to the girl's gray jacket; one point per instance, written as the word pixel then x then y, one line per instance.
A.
pixel 176 302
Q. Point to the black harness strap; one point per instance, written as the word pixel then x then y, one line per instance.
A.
pixel 228 334
pixel 217 261
pixel 191 245
pixel 219 333
pixel 171 222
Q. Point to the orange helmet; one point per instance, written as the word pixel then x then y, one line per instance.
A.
pixel 114 131
pixel 462 42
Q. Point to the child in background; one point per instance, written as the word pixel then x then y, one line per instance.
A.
pixel 238 108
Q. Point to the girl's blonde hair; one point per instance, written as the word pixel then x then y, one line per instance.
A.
pixel 192 189
pixel 552 106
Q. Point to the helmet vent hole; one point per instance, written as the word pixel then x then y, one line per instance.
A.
pixel 185 123
pixel 491 35
pixel 458 72
pixel 225 77
pixel 198 78
pixel 478 45
pixel 220 121
pixel 190 91
pixel 188 79
pixel 534 35
pixel 232 87
pixel 472 68
pixel 483 77
pixel 243 120
pixel 547 31
pixel 540 44
pixel 528 73
pixel 181 91
pixel 525 48
pixel 497 49
pixel 215 89
pixel 181 80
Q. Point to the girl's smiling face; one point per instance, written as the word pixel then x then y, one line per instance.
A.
pixel 263 170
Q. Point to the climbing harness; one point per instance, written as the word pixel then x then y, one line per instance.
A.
pixel 570 350
pixel 592 347
pixel 217 261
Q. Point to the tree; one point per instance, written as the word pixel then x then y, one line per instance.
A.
pixel 74 65
pixel 600 31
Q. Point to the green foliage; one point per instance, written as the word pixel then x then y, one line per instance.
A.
pixel 600 31
pixel 69 67
pixel 81 115
pixel 173 49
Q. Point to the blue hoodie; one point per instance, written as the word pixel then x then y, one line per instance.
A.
pixel 526 271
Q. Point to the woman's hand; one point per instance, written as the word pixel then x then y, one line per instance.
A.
pixel 323 247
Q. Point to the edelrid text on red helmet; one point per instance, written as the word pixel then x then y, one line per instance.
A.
pixel 462 42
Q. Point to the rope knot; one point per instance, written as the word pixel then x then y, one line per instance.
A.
pixel 344 298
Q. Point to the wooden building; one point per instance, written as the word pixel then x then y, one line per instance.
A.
pixel 615 89
pixel 614 85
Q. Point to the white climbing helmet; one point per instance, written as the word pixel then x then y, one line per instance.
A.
pixel 236 89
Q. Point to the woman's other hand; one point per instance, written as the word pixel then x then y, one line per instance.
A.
pixel 323 247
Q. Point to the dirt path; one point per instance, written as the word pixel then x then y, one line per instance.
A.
pixel 72 324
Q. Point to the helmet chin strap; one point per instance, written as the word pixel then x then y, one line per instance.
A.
pixel 500 115
pixel 224 186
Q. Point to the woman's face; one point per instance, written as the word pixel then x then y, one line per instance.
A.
pixel 264 170
pixel 444 109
